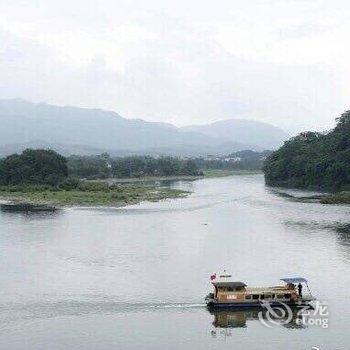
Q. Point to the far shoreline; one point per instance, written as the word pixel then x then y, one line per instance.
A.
pixel 114 192
pixel 211 173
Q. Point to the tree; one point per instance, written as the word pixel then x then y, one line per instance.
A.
pixel 313 160
pixel 33 167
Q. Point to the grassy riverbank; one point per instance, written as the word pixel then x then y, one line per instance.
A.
pixel 88 194
pixel 224 172
pixel 337 198
pixel 143 179
pixel 333 198
pixel 108 192
pixel 206 174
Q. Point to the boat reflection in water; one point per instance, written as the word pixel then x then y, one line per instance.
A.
pixel 227 319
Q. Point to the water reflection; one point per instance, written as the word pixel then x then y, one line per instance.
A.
pixel 295 195
pixel 342 229
pixel 29 211
pixel 226 319
pixel 26 208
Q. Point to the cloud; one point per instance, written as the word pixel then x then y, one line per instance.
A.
pixel 283 62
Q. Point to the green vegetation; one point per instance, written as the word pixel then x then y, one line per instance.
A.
pixel 40 167
pixel 87 193
pixel 246 160
pixel 337 198
pixel 313 160
pixel 41 177
pixel 225 172
pixel 104 166
pixel 154 178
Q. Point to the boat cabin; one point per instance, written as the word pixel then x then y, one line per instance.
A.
pixel 229 290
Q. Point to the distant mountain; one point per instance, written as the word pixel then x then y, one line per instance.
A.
pixel 63 149
pixel 266 136
pixel 89 131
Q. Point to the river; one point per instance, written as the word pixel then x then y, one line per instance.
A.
pixel 136 277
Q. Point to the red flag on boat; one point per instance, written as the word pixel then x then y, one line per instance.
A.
pixel 212 277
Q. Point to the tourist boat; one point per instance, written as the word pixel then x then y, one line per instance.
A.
pixel 231 294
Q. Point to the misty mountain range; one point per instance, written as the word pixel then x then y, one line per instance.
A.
pixel 73 130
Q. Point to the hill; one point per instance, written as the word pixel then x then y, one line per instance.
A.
pixel 90 131
pixel 313 160
pixel 249 132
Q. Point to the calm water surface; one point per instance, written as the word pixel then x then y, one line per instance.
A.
pixel 135 278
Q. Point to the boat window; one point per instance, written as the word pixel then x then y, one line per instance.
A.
pixel 262 296
pixel 268 296
pixel 287 296
pixel 280 296
pixel 230 289
pixel 273 296
pixel 248 297
pixel 255 296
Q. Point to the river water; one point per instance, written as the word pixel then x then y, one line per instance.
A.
pixel 135 277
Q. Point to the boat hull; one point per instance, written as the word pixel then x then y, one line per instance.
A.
pixel 216 305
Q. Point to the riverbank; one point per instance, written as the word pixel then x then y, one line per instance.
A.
pixel 323 198
pixel 206 174
pixel 88 194
pixel 337 198
pixel 223 173
pixel 128 180
pixel 106 192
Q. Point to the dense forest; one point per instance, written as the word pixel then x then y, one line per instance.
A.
pixel 36 167
pixel 313 160
pixel 104 166
pixel 47 167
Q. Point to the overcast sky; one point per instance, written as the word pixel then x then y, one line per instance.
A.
pixel 184 62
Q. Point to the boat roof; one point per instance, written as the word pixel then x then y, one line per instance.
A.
pixel 294 280
pixel 229 284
